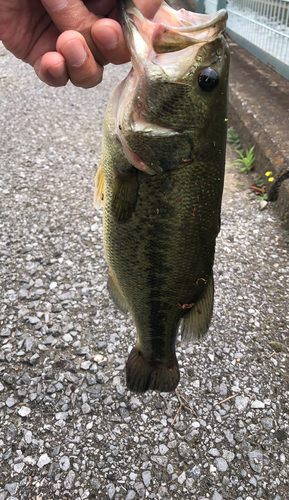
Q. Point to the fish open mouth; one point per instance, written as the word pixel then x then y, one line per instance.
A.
pixel 164 51
pixel 169 31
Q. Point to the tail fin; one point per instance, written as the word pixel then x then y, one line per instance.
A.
pixel 142 375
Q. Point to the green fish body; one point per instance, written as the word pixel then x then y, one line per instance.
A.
pixel 161 179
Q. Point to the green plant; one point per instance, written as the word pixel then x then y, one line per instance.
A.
pixel 286 236
pixel 259 181
pixel 233 138
pixel 246 159
pixel 263 196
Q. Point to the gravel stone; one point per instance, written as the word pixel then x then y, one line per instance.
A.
pixel 217 496
pixel 64 344
pixel 256 460
pixel 110 490
pixel 24 411
pixel 223 390
pixel 228 455
pixel 86 408
pixel 69 480
pixel 85 365
pixel 163 449
pixel 64 463
pixel 146 476
pixel 163 461
pixel 221 464
pixel 12 488
pixel 11 433
pixel 101 345
pixel 130 495
pixel 267 423
pixel 182 478
pixel 28 437
pixel 241 402
pixel 19 467
pixel 67 337
pixel 258 404
pixel 214 452
pixel 11 402
pixel 140 489
pixel 281 435
pixel 184 450
pixel 43 460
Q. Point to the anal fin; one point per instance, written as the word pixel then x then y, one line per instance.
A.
pixel 196 323
pixel 99 187
pixel 116 294
pixel 124 194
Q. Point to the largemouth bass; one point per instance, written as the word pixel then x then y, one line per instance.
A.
pixel 161 181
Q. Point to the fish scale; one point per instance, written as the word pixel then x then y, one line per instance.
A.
pixel 160 225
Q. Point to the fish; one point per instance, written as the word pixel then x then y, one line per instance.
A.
pixel 160 182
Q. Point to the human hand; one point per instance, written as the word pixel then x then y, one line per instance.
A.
pixel 67 39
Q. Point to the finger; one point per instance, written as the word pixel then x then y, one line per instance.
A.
pixel 83 70
pixel 148 8
pixel 108 36
pixel 73 15
pixel 51 69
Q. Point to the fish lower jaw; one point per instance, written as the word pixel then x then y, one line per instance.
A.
pixel 134 159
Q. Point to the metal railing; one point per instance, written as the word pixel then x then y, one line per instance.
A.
pixel 260 26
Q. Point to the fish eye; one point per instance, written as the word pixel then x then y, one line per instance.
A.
pixel 208 79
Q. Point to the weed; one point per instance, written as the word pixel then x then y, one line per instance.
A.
pixel 263 196
pixel 286 236
pixel 233 138
pixel 246 159
pixel 259 181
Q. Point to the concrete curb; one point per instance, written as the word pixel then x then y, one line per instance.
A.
pixel 259 111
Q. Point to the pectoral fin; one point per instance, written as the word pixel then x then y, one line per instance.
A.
pixel 196 322
pixel 116 294
pixel 99 187
pixel 124 194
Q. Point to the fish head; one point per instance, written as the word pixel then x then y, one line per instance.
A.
pixel 177 89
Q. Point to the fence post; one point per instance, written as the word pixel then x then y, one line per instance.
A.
pixel 222 4
pixel 200 6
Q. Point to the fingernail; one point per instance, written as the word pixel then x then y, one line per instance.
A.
pixel 106 38
pixel 74 52
pixel 57 71
pixel 54 5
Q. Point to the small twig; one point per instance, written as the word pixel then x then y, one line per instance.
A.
pixel 270 355
pixel 224 400
pixel 189 407
pixel 259 190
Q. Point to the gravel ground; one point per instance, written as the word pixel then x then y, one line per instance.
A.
pixel 69 428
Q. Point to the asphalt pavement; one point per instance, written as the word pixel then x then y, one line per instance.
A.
pixel 69 427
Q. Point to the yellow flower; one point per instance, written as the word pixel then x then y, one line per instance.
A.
pixel 271 179
pixel 268 173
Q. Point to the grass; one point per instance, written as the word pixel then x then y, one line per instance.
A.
pixel 233 138
pixel 246 159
